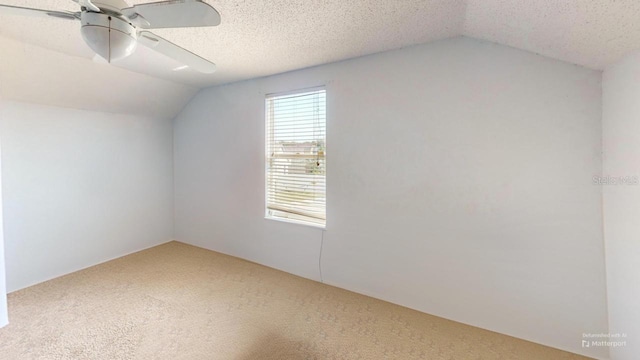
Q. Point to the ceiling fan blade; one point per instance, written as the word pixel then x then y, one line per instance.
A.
pixel 174 14
pixel 88 5
pixel 175 52
pixel 16 10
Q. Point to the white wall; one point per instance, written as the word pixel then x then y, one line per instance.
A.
pixel 621 141
pixel 3 285
pixel 80 188
pixel 459 184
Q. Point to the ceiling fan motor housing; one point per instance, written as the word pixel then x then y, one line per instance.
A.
pixel 109 35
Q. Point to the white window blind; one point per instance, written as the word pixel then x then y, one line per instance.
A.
pixel 296 150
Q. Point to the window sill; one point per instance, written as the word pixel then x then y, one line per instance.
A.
pixel 296 222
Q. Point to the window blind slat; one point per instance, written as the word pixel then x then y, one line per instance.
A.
pixel 295 156
pixel 316 215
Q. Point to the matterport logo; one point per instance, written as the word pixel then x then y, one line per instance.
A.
pixel 616 180
pixel 590 340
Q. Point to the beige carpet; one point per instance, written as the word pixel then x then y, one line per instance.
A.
pixel 180 302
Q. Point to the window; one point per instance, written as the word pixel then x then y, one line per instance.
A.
pixel 296 150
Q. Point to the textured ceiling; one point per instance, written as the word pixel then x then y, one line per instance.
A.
pixel 260 37
pixel 591 33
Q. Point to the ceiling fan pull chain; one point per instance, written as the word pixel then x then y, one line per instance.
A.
pixel 109 59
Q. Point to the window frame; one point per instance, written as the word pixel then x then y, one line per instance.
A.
pixel 291 218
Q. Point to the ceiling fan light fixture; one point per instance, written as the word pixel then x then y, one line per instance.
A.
pixel 109 36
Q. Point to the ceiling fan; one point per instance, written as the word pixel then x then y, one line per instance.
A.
pixel 113 29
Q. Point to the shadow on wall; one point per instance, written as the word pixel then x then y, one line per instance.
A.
pixel 276 347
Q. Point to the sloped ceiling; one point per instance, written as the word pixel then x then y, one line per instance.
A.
pixel 33 74
pixel 265 37
pixel 591 33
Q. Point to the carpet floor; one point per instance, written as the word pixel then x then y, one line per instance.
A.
pixel 177 301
